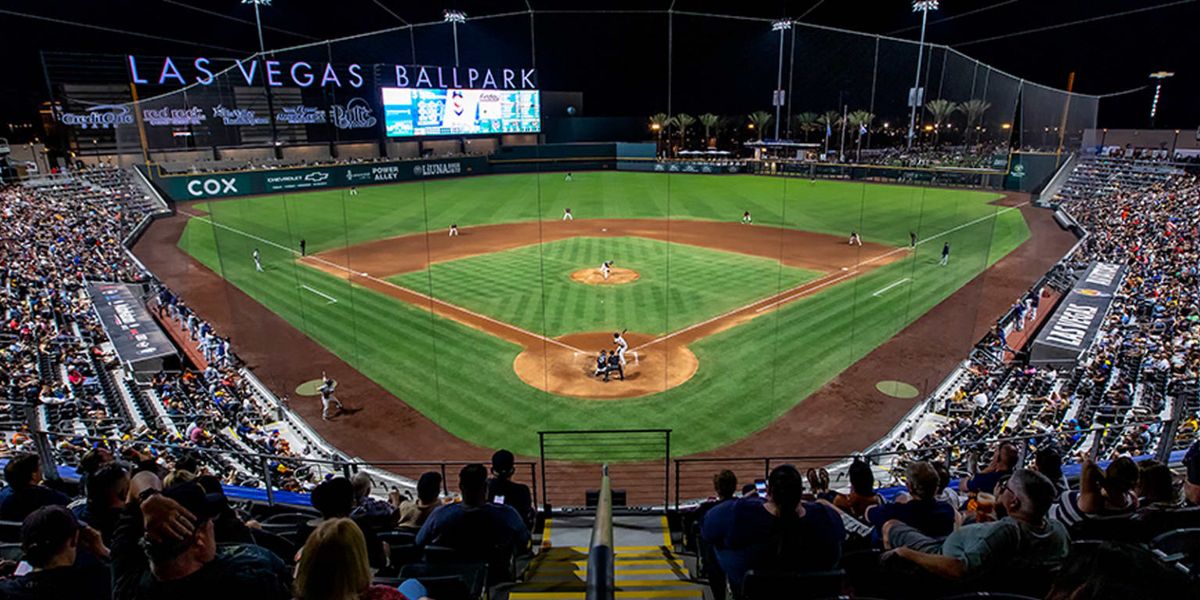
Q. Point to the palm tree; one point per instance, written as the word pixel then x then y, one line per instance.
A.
pixel 806 122
pixel 828 120
pixel 659 122
pixel 709 121
pixel 683 121
pixel 974 110
pixel 861 120
pixel 759 119
pixel 940 110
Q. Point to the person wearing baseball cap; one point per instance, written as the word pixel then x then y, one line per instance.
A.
pixel 165 548
pixel 503 490
pixel 1191 484
pixel 50 540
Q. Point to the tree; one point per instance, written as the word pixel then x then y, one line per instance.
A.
pixel 709 121
pixel 828 121
pixel 974 110
pixel 659 122
pixel 683 121
pixel 760 119
pixel 940 110
pixel 806 122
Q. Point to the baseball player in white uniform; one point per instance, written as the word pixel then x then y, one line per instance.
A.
pixel 622 346
pixel 605 269
pixel 328 400
pixel 453 229
pixel 855 240
pixel 257 263
pixel 746 220
pixel 567 216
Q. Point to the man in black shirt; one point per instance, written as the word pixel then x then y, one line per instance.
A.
pixel 50 540
pixel 26 492
pixel 106 491
pixel 503 490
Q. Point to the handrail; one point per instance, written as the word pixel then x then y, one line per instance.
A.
pixel 601 560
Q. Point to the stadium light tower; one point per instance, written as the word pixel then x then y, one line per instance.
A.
pixel 454 18
pixel 1159 77
pixel 782 26
pixel 922 6
pixel 258 21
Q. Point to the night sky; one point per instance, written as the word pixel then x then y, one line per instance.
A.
pixel 620 61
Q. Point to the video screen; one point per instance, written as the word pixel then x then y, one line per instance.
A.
pixel 412 112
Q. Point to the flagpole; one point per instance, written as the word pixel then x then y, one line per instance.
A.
pixel 842 151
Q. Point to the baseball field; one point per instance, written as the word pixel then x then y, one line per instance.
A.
pixel 493 334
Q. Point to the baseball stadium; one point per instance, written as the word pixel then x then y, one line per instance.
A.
pixel 678 300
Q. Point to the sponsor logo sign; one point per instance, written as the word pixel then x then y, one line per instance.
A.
pixel 237 117
pixel 356 114
pixel 212 186
pixel 437 169
pixel 103 116
pixel 173 117
pixel 300 115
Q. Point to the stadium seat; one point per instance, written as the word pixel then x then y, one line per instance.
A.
pixel 10 531
pixel 1181 546
pixel 990 595
pixel 277 544
pixel 11 552
pixel 766 585
pixel 448 581
pixel 397 537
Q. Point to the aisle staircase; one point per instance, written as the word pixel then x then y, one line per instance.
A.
pixel 646 564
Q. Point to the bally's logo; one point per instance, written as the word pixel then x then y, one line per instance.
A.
pixel 356 114
pixel 103 116
pixel 212 187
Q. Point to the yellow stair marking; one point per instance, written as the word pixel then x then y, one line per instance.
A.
pixel 546 533
pixel 666 531
pixel 622 594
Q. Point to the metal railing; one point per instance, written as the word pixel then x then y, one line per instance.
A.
pixel 633 455
pixel 601 555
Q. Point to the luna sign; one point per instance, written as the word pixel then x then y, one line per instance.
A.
pixel 276 73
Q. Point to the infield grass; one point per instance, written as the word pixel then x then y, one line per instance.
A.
pixel 749 375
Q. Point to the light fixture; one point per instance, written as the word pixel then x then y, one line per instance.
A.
pixel 655 126
pixel 262 2
pixel 1006 126
pixel 925 5
pixel 454 16
pixel 781 25
pixel 1159 77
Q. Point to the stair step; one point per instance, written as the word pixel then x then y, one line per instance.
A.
pixel 620 594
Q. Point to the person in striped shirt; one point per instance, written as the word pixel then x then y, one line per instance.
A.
pixel 1107 494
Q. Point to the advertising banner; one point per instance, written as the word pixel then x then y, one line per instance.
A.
pixel 1070 331
pixel 305 179
pixel 135 335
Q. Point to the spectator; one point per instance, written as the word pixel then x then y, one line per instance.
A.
pixel 107 489
pixel 375 513
pixel 27 494
pixel 1102 495
pixel 946 494
pixel 334 499
pixel 181 559
pixel 1024 538
pixel 922 512
pixel 227 526
pixel 1191 483
pixel 862 491
pixel 1004 460
pixel 725 486
pixel 1112 571
pixel 333 566
pixel 512 494
pixel 413 513
pixel 777 533
pixel 50 539
pixel 1156 489
pixel 1048 462
pixel 474 527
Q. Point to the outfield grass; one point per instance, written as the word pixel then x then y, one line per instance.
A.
pixel 463 379
pixel 701 283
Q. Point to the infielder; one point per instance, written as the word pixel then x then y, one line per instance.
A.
pixel 327 398
pixel 257 263
pixel 945 254
pixel 746 220
pixel 567 216
pixel 454 230
pixel 605 269
pixel 855 240
pixel 622 347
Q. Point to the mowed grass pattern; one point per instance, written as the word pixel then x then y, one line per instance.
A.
pixel 463 379
pixel 678 285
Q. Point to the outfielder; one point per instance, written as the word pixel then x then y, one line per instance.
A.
pixel 945 254
pixel 605 269
pixel 257 263
pixel 622 347
pixel 567 216
pixel 327 398
pixel 568 178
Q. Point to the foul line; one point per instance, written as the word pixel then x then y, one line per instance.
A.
pixel 331 299
pixel 365 275
pixel 878 293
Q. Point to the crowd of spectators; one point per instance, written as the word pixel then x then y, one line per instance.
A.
pixel 980 156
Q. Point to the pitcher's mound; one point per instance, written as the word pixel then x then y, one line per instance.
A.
pixel 565 372
pixel 616 277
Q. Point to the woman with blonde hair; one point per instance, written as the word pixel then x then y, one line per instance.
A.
pixel 333 566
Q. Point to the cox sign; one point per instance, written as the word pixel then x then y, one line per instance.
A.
pixel 212 186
